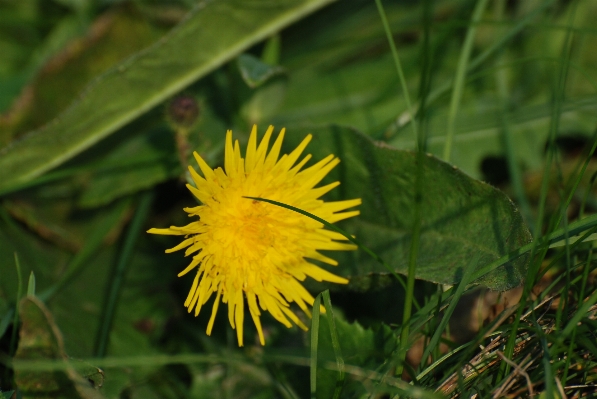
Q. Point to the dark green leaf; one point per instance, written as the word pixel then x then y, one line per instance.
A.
pixel 461 217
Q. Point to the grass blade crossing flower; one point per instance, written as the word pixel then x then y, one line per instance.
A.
pixel 251 250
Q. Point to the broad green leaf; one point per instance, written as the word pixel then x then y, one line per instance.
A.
pixel 461 217
pixel 195 47
pixel 111 38
pixel 40 339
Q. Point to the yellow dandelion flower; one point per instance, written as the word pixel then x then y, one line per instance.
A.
pixel 251 249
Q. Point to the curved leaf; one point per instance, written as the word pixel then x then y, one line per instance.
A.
pixel 461 217
pixel 213 33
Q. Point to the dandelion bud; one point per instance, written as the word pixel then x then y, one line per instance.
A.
pixel 183 112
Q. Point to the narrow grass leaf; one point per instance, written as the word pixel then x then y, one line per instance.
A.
pixel 31 285
pixel 467 275
pixel 116 280
pixel 397 64
pixel 581 313
pixel 314 346
pixel 461 70
pixel 327 303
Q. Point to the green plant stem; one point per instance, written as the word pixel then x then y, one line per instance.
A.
pixel 459 79
pixel 412 267
pixel 460 288
pixel 386 26
pixel 116 279
pixel 327 303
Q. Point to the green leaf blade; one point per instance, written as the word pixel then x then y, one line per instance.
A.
pixel 187 53
pixel 461 217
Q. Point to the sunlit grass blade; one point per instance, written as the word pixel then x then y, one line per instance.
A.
pixel 31 285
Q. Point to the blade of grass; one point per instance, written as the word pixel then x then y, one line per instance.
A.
pixel 557 100
pixel 489 52
pixel 459 79
pixel 578 227
pixel 578 178
pixel 546 360
pixel 466 278
pixel 414 249
pixel 580 313
pixel 581 297
pixel 314 346
pixel 327 303
pixel 386 26
pixel 31 284
pixel 412 267
pixel 115 281
pixel 506 134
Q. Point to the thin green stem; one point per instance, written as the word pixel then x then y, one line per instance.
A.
pixel 490 51
pixel 327 303
pixel 116 280
pixel 386 26
pixel 459 79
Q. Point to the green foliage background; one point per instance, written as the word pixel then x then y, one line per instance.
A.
pixel 89 160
